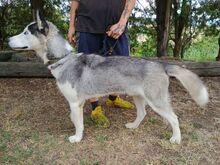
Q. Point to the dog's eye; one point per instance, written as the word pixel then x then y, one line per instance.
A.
pixel 25 33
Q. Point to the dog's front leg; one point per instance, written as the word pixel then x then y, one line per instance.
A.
pixel 43 55
pixel 45 59
pixel 76 116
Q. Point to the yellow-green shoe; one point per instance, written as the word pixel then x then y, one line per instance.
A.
pixel 118 102
pixel 99 118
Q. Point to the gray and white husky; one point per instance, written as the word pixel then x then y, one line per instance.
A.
pixel 80 77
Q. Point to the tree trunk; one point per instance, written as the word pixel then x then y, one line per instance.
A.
pixel 1 41
pixel 218 57
pixel 163 20
pixel 177 47
pixel 178 31
pixel 36 5
pixel 180 24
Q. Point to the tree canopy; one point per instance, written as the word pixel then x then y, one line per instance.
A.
pixel 153 28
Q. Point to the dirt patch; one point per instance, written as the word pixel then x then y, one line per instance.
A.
pixel 35 125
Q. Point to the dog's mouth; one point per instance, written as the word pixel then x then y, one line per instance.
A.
pixel 20 48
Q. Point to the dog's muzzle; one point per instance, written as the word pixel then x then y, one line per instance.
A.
pixel 19 48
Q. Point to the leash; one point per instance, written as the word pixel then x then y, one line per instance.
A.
pixel 109 52
pixel 68 53
pixel 57 59
pixel 111 49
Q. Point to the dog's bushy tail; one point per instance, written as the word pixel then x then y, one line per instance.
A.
pixel 191 82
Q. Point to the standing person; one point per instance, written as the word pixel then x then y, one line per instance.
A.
pixel 101 29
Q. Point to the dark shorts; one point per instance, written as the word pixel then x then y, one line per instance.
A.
pixel 101 44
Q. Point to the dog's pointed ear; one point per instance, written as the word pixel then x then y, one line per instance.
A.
pixel 41 23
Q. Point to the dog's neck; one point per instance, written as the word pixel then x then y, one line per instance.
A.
pixel 58 46
pixel 55 44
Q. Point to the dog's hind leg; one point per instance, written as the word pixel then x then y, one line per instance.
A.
pixel 164 109
pixel 140 106
pixel 76 116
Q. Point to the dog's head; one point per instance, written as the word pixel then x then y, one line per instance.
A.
pixel 32 36
pixel 43 37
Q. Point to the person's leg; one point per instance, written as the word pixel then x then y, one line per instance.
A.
pixel 120 47
pixel 88 43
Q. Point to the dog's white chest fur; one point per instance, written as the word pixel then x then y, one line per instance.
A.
pixel 68 91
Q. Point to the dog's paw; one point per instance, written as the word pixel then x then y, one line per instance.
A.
pixel 131 125
pixel 74 139
pixel 175 140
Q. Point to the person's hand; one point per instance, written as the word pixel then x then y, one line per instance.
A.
pixel 116 30
pixel 71 35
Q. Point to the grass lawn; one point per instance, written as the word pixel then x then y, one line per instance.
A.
pixel 35 125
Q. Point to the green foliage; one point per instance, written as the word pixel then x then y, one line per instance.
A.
pixel 15 15
pixel 209 12
pixel 204 49
pixel 55 11
pixel 140 26
pixel 202 17
pixel 144 49
pixel 190 18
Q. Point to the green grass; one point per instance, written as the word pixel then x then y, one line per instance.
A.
pixel 205 49
pixel 12 152
pixel 86 162
pixel 153 120
pixel 102 138
pixel 17 147
pixel 25 138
